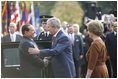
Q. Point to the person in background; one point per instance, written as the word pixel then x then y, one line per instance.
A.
pixel 97 53
pixel 65 27
pixel 106 25
pixel 76 29
pixel 111 44
pixel 40 29
pixel 111 23
pixel 30 65
pixel 87 42
pixel 77 48
pixel 11 36
pixel 45 35
pixel 61 51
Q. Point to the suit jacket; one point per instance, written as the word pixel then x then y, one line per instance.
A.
pixel 8 39
pixel 111 44
pixel 30 64
pixel 77 47
pixel 61 57
pixel 42 36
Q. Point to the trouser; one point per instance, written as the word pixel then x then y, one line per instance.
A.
pixel 76 67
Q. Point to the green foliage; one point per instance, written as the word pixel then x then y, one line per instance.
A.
pixel 107 6
pixel 36 3
pixel 69 11
pixel 45 6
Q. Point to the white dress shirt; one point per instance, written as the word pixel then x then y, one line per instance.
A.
pixel 47 33
pixel 115 33
pixel 72 37
pixel 13 37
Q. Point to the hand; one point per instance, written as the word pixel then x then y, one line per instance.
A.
pixel 108 57
pixel 33 51
pixel 81 56
pixel 87 76
pixel 89 72
pixel 45 61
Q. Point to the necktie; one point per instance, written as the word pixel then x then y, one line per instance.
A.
pixel 46 34
pixel 53 39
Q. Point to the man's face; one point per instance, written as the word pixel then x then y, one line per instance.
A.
pixel 12 28
pixel 51 29
pixel 70 30
pixel 63 25
pixel 115 27
pixel 31 32
pixel 45 27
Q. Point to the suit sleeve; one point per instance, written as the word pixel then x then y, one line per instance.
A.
pixel 35 59
pixel 93 57
pixel 81 45
pixel 62 45
pixel 107 44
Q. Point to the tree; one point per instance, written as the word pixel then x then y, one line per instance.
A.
pixel 45 6
pixel 69 11
pixel 107 6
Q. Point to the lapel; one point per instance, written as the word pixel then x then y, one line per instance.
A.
pixel 76 39
pixel 31 41
pixel 16 37
pixel 9 38
pixel 56 39
pixel 113 36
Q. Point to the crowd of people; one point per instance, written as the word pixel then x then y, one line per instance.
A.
pixel 72 54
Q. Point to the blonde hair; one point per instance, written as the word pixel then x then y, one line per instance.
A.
pixel 76 26
pixel 95 27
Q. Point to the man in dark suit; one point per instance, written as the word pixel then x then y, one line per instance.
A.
pixel 61 52
pixel 12 36
pixel 45 35
pixel 111 44
pixel 77 47
pixel 30 64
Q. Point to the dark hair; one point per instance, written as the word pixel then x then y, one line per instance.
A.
pixel 25 28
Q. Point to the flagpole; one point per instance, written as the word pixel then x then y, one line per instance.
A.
pixel 33 18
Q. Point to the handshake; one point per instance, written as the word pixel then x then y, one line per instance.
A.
pixel 46 62
pixel 37 51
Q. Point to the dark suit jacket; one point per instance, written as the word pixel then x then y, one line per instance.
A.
pixel 6 38
pixel 42 36
pixel 111 44
pixel 61 53
pixel 30 64
pixel 77 47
